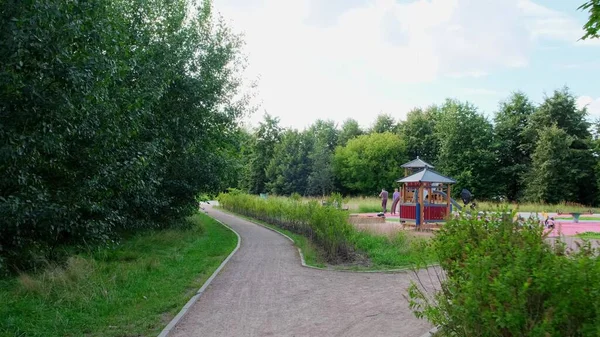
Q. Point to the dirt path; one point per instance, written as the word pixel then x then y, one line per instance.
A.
pixel 264 291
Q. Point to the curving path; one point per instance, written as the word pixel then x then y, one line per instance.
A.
pixel 264 291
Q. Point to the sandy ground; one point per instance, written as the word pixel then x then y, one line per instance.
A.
pixel 264 291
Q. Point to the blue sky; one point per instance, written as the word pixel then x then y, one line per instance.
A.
pixel 338 59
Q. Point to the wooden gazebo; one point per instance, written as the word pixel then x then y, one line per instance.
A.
pixel 414 205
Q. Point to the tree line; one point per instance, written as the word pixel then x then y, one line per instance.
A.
pixel 114 115
pixel 546 152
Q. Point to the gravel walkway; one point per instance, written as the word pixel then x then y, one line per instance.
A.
pixel 264 291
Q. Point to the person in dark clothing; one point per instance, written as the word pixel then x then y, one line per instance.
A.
pixel 384 197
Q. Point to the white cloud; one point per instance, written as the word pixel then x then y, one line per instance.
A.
pixel 545 23
pixel 592 105
pixel 353 58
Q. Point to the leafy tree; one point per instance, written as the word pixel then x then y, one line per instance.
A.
pixel 418 132
pixel 350 129
pixel 290 166
pixel 549 179
pixel 513 147
pixel 592 26
pixel 561 109
pixel 109 123
pixel 370 162
pixel 266 137
pixel 384 123
pixel 465 153
pixel 325 135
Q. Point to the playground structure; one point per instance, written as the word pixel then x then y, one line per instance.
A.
pixel 424 194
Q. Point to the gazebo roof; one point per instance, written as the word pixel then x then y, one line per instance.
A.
pixel 417 163
pixel 427 175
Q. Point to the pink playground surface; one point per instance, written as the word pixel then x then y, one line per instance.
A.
pixel 566 227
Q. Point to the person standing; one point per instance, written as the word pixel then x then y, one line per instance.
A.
pixel 395 200
pixel 384 197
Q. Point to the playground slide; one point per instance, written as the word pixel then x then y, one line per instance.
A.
pixel 443 194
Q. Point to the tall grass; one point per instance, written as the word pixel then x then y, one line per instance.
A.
pixel 372 204
pixel 133 289
pixel 327 226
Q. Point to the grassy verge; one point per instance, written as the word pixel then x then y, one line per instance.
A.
pixel 589 235
pixel 132 290
pixel 312 255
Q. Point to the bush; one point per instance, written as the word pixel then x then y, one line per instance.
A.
pixel 109 123
pixel 326 226
pixel 501 278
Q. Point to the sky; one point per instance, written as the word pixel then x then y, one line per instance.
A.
pixel 339 59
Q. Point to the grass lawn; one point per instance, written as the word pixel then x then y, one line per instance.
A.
pixel 132 290
pixel 589 235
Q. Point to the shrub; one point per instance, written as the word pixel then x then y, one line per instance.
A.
pixel 326 226
pixel 501 278
pixel 109 124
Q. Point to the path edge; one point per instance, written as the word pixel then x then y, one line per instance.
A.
pixel 165 332
pixel 303 262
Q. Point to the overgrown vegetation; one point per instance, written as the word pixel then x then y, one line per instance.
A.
pixel 328 227
pixel 114 114
pixel 133 289
pixel 500 278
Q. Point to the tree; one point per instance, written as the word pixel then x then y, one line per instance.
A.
pixel 513 147
pixel 325 137
pixel 267 136
pixel 549 179
pixel 561 110
pixel 384 123
pixel 350 129
pixel 592 26
pixel 109 123
pixel 418 132
pixel 465 153
pixel 370 162
pixel 290 166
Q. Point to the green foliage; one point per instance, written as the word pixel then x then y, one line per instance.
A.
pixel 290 165
pixel 561 109
pixel 565 162
pixel 115 115
pixel 502 279
pixel 418 132
pixel 369 163
pixel 266 138
pixel 384 123
pixel 465 152
pixel 129 290
pixel 513 147
pixel 350 129
pixel 592 26
pixel 327 226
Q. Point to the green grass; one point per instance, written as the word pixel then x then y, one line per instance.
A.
pixel 589 235
pixel 132 290
pixel 398 251
pixel 594 218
